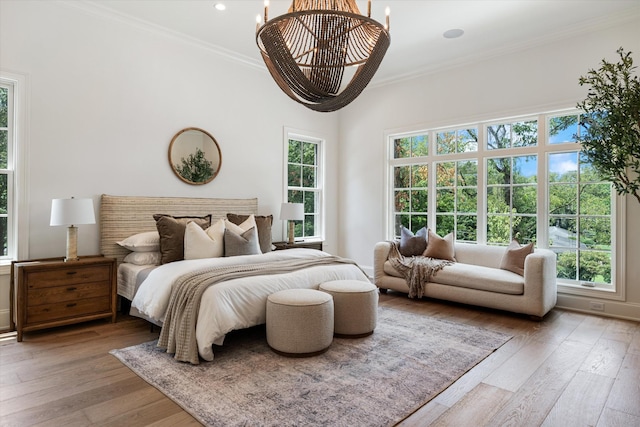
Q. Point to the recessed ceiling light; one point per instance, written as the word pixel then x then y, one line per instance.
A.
pixel 220 6
pixel 453 33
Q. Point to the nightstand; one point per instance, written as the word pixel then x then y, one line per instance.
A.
pixel 51 292
pixel 286 245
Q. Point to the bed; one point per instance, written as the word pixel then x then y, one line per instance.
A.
pixel 238 301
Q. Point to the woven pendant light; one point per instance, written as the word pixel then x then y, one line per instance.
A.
pixel 308 49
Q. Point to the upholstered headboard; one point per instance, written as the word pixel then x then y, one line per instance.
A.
pixel 123 216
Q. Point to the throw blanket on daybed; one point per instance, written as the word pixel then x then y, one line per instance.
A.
pixel 416 270
pixel 178 333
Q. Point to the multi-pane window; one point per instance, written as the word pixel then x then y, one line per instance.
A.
pixel 457 199
pixel 580 214
pixel 519 179
pixel 304 184
pixel 512 135
pixel 512 195
pixel 410 193
pixel 457 141
pixel 5 168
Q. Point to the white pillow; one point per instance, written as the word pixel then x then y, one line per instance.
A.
pixel 239 229
pixel 143 258
pixel 199 243
pixel 142 242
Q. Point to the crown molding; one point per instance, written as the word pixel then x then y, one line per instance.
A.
pixel 106 13
pixel 576 30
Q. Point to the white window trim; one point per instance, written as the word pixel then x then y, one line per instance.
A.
pixel 20 215
pixel 541 150
pixel 307 136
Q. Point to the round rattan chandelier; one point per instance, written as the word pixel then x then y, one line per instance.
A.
pixel 309 49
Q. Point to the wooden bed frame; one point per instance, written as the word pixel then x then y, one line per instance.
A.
pixel 124 216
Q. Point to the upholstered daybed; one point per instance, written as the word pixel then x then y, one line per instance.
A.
pixel 477 279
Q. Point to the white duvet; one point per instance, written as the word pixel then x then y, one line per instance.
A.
pixel 234 304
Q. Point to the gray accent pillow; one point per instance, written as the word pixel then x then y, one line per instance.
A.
pixel 171 230
pixel 264 228
pixel 410 244
pixel 241 244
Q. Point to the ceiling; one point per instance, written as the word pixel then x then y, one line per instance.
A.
pixel 491 28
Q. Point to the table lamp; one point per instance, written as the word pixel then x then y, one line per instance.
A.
pixel 72 212
pixel 291 212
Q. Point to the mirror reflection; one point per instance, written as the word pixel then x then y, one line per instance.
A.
pixel 195 156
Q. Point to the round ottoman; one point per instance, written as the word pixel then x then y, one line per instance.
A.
pixel 355 305
pixel 299 322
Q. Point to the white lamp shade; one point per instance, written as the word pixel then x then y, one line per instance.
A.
pixel 292 211
pixel 72 211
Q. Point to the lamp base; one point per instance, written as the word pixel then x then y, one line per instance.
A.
pixel 291 225
pixel 72 244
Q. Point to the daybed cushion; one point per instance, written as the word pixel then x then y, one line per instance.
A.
pixel 473 277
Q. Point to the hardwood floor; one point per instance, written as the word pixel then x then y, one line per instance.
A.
pixel 570 369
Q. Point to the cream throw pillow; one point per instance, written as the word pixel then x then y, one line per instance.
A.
pixel 513 258
pixel 199 243
pixel 440 247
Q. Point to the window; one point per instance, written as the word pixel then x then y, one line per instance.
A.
pixel 304 183
pixel 512 199
pixel 410 183
pixel 521 179
pixel 13 231
pixel 457 199
pixel 581 222
pixel 6 169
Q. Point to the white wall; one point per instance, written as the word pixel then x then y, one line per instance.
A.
pixel 105 100
pixel 532 80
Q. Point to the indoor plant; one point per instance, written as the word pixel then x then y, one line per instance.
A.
pixel 611 123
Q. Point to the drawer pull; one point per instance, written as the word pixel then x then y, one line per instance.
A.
pixel 71 272
pixel 73 304
pixel 71 288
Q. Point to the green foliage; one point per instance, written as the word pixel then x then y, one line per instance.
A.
pixel 611 140
pixel 196 167
pixel 4 152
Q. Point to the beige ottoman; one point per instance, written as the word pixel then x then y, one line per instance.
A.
pixel 299 322
pixel 355 306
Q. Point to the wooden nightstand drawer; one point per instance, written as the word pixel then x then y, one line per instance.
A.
pixel 51 292
pixel 68 309
pixel 68 275
pixel 67 293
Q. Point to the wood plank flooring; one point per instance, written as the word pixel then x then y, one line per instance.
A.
pixel 570 369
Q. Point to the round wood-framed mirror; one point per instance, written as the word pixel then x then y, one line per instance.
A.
pixel 194 156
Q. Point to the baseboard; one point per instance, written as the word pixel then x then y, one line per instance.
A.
pixel 617 309
pixel 5 317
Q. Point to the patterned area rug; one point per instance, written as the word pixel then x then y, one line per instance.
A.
pixel 373 381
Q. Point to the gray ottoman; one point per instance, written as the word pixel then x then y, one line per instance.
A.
pixel 299 322
pixel 355 306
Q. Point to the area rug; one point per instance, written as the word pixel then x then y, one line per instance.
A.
pixel 374 381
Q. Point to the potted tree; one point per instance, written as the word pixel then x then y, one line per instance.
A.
pixel 611 123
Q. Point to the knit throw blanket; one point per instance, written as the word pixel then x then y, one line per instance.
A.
pixel 416 270
pixel 178 334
